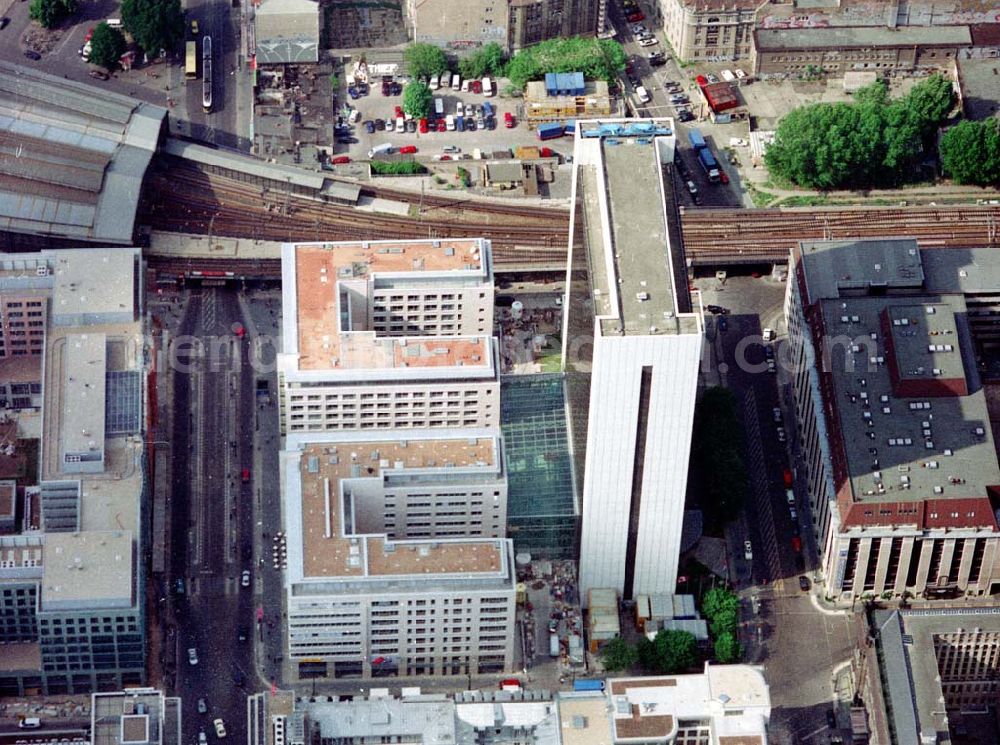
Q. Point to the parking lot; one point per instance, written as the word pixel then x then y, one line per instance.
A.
pixel 375 106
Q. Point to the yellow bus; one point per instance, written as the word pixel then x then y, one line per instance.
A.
pixel 191 61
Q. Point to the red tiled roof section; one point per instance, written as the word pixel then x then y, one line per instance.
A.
pixel 635 726
pixel 985 34
pixel 620 687
pixel 959 512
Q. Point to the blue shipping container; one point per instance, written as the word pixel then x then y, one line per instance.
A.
pixel 707 159
pixel 696 140
pixel 570 126
pixel 550 131
pixel 588 685
pixel 551 84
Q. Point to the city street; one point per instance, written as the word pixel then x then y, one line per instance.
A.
pixel 211 514
pixel 784 628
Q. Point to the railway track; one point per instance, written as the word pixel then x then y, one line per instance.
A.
pixel 189 200
pixel 768 235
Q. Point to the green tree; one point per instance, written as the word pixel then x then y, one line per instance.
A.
pixel 727 649
pixel 596 58
pixel 717 454
pixel 676 651
pixel 49 13
pixel 930 102
pixel 618 654
pixel 485 61
pixel 876 93
pixel 417 99
pixel 154 24
pixel 970 152
pixel 424 60
pixel 721 609
pixel 107 45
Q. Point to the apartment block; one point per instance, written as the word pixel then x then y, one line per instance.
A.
pixel 465 25
pixel 712 30
pixel 636 403
pixel 71 576
pixel 901 463
pixel 396 560
pixel 388 335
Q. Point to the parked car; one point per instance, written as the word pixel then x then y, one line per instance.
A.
pixel 470 125
pixel 508 120
pixel 649 42
pixel 220 728
pixel 399 112
pixel 638 28
pixel 192 656
pixel 380 125
pixel 712 79
pixel 781 434
pixel 202 706
pixel 796 543
pixel 242 634
pixel 657 61
pixel 353 92
pixel 390 126
pixel 245 475
pixel 451 149
pixel 684 116
pixel 32 54
pixel 98 75
pixel 717 309
pixel 739 74
pixel 422 126
pixel 804 583
pixel 202 738
pixel 776 413
pixel 747 551
pixel 786 476
pixel 635 17
pixel 442 125
pixel 408 149
pixel 30 723
pixel 369 126
pixel 245 578
pixel 4 22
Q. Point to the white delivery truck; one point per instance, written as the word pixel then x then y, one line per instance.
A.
pixel 449 123
pixel 487 87
pixel 438 106
pixel 456 82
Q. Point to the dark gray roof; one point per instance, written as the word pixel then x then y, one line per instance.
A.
pixel 862 36
pixel 71 162
pixel 896 679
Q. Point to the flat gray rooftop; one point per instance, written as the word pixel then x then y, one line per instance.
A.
pixel 970 271
pixel 632 178
pixel 862 36
pixel 906 449
pixel 87 570
pixel 835 268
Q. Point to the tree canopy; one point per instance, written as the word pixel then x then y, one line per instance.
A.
pixel 424 60
pixel 154 24
pixel 717 456
pixel 595 58
pixel 727 649
pixel 721 609
pixel 970 152
pixel 618 654
pixel 670 652
pixel 107 45
pixel 874 141
pixel 49 13
pixel 417 99
pixel 485 61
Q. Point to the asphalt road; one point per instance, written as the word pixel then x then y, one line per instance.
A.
pixel 212 528
pixel 800 645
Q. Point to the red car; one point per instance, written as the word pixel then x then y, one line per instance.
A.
pixel 423 126
pixel 796 544
pixel 340 160
pixel 786 476
pixel 245 475
pixel 442 125
pixel 408 149
pixel 546 152
pixel 90 33
pixel 723 177
pixel 476 86
pixel 399 112
pixel 239 330
pixel 508 120
pixel 635 17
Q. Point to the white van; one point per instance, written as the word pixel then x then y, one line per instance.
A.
pixel 30 723
pixel 449 123
pixel 456 82
pixel 435 82
pixel 487 87
pixel 114 22
pixel 385 148
pixel 643 95
pixel 465 85
pixel 459 109
pixel 439 106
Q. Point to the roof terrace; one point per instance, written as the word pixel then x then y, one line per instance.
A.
pixel 330 549
pixel 331 326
